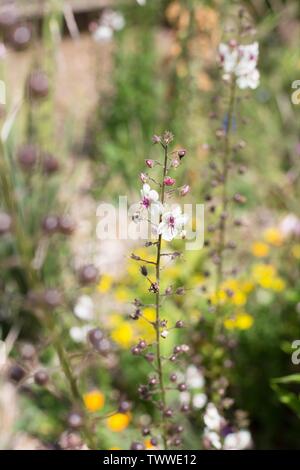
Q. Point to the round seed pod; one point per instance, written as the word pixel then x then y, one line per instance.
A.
pixel 95 336
pixel 75 420
pixel 8 17
pixel 88 274
pixel 50 224
pixel 52 298
pixel 16 373
pixel 27 157
pixel 38 85
pixel 41 378
pixel 28 352
pixel 20 37
pixel 50 164
pixel 5 223
pixel 66 225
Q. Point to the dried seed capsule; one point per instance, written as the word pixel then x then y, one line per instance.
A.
pixel 5 223
pixel 41 378
pixel 88 274
pixel 38 84
pixel 50 224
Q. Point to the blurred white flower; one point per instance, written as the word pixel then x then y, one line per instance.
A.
pixel 239 440
pixel 290 226
pixel 84 308
pixel 212 419
pixel 141 2
pixel 110 22
pixel 103 33
pixel 199 400
pixel 172 223
pixel 194 378
pixel 78 333
pixel 213 438
pixel 240 60
pixel 185 398
pixel 2 51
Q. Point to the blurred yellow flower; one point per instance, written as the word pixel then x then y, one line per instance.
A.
pixel 123 335
pixel 115 448
pixel 242 321
pixel 277 284
pixel 296 251
pixel 94 400
pixel 260 249
pixel 105 283
pixel 247 286
pixel 148 445
pixel 122 294
pixel 118 422
pixel 239 298
pixel 273 236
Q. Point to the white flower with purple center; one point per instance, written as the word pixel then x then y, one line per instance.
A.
pixel 240 60
pixel 150 200
pixel 172 223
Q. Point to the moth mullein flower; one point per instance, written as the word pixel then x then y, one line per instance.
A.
pixel 150 199
pixel 241 61
pixel 172 223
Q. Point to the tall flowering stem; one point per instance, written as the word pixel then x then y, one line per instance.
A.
pixel 157 320
pixel 167 222
pixel 224 200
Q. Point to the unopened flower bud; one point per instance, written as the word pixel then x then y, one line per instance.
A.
pixel 175 163
pixel 164 334
pixel 144 271
pixel 168 181
pixel 143 178
pixel 184 190
pixel 182 387
pixel 95 336
pixel 156 139
pixel 181 153
pixel 179 324
pixel 149 163
pixel 20 37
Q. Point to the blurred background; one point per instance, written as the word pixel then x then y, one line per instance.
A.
pixel 86 83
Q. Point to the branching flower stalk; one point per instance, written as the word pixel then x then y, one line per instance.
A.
pixel 166 223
